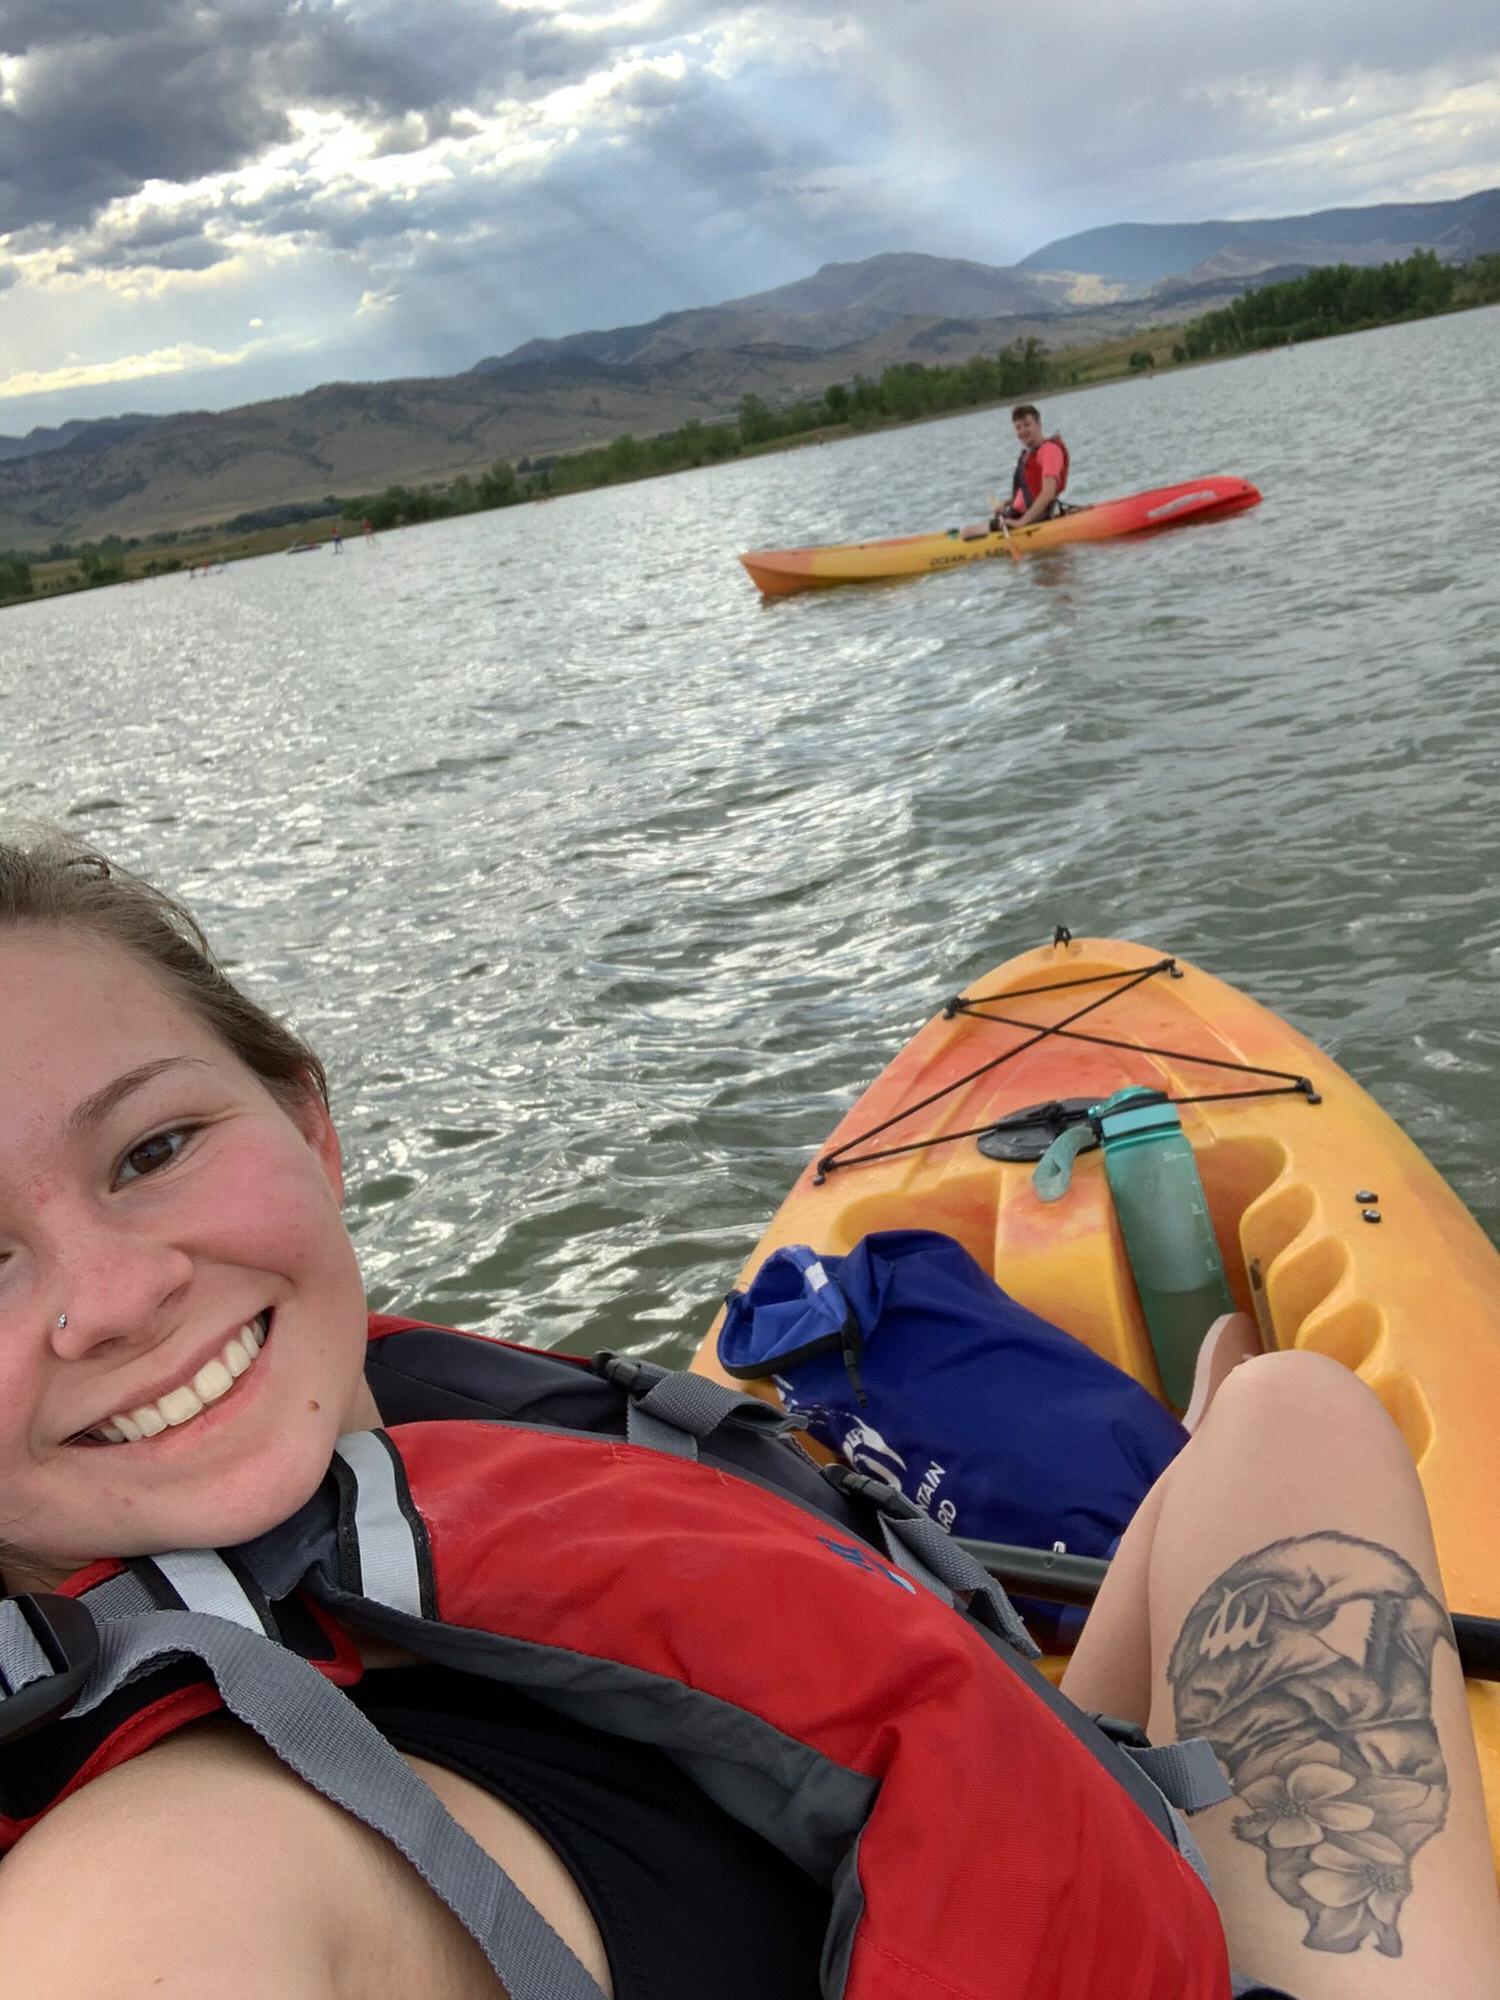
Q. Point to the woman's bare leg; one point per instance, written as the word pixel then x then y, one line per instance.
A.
pixel 1279 1595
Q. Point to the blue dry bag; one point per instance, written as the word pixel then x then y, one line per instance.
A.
pixel 911 1363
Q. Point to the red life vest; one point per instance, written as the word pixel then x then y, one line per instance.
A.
pixel 711 1595
pixel 1026 485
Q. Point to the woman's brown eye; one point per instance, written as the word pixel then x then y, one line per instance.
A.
pixel 151 1154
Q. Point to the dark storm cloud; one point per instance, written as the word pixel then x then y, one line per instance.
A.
pixel 394 57
pixel 96 118
pixel 351 219
pixel 29 24
pixel 708 134
pixel 112 95
pixel 177 240
pixel 415 130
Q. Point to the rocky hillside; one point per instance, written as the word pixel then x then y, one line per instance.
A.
pixel 837 305
pixel 86 434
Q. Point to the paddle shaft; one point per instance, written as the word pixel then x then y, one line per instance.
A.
pixel 1065 1579
pixel 997 515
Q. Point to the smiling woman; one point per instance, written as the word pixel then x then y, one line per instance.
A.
pixel 157 1098
pixel 520 1675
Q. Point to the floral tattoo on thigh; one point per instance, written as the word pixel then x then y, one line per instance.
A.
pixel 1308 1667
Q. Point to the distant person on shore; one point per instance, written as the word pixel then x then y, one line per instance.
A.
pixel 1041 472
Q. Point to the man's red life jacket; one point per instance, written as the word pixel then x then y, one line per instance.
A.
pixel 1026 485
pixel 650 1553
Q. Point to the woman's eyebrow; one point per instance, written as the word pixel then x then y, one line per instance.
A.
pixel 103 1101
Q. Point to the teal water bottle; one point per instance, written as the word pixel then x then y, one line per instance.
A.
pixel 1169 1238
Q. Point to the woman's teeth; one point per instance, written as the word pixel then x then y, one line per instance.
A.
pixel 190 1399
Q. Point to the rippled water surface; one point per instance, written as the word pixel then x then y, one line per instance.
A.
pixel 603 887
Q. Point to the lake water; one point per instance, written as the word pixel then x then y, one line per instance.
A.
pixel 603 887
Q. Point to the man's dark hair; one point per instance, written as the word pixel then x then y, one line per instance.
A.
pixel 1026 410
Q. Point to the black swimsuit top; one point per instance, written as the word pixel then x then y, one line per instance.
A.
pixel 687 1901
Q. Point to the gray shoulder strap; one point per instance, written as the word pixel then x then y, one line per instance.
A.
pixel 925 1551
pixel 1188 1777
pixel 674 1412
pixel 24 1659
pixel 318 1733
pixel 1186 1774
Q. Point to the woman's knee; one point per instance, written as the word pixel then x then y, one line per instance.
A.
pixel 1294 1395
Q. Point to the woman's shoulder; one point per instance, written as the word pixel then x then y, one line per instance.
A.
pixel 201 1866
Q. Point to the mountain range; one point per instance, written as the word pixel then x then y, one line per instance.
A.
pixel 836 306
pixel 1143 253
pixel 138 475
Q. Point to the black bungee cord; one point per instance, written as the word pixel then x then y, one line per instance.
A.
pixel 1286 1083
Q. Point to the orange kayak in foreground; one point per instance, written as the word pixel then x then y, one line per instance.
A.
pixel 1337 1234
pixel 778 572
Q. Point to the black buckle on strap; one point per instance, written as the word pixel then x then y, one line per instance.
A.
pixel 877 1493
pixel 1125 1735
pixel 65 1631
pixel 628 1372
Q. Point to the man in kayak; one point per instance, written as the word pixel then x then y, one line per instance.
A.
pixel 1041 472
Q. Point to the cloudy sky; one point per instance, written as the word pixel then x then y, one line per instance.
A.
pixel 203 202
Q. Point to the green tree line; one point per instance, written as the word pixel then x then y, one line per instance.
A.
pixel 15 579
pixel 98 563
pixel 905 390
pixel 1339 298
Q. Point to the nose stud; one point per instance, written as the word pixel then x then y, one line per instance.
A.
pixel 62 1320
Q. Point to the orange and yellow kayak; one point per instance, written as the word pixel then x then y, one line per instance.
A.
pixel 778 572
pixel 1337 1233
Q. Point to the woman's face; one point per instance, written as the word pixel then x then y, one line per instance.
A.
pixel 154 1191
